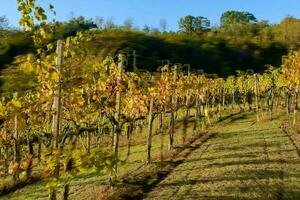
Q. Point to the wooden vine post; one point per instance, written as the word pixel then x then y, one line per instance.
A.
pixel 135 69
pixel 172 116
pixel 295 120
pixel 56 127
pixel 17 158
pixel 197 105
pixel 271 104
pixel 256 96
pixel 117 114
pixel 150 128
pixel 187 105
pixel 223 96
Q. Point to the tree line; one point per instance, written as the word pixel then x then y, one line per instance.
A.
pixel 239 43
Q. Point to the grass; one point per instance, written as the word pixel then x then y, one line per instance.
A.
pixel 85 184
pixel 245 160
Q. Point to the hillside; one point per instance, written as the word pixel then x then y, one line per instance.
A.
pixel 206 51
pixel 211 52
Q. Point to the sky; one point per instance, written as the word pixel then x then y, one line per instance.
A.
pixel 150 12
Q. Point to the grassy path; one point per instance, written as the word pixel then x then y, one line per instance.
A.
pixel 244 161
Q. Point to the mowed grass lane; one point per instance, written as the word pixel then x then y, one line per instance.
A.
pixel 244 161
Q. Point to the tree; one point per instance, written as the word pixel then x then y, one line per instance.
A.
pixel 3 26
pixel 289 28
pixel 99 21
pixel 237 17
pixel 201 23
pixel 128 24
pixel 71 27
pixel 3 22
pixel 109 24
pixel 163 24
pixel 146 28
pixel 186 24
pixel 191 24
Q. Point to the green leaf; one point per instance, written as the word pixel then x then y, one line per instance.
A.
pixel 51 7
pixel 40 14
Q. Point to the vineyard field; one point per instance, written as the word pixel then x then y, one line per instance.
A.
pixel 246 160
pixel 81 118
pixel 86 183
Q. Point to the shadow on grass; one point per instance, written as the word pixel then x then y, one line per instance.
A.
pixel 219 164
pixel 246 133
pixel 252 154
pixel 146 181
pixel 15 185
pixel 233 117
pixel 260 187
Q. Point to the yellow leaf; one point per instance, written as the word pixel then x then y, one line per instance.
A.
pixel 27 68
pixel 206 112
pixel 16 103
pixel 2 110
pixel 54 76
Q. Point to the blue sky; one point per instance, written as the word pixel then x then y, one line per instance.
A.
pixel 151 11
